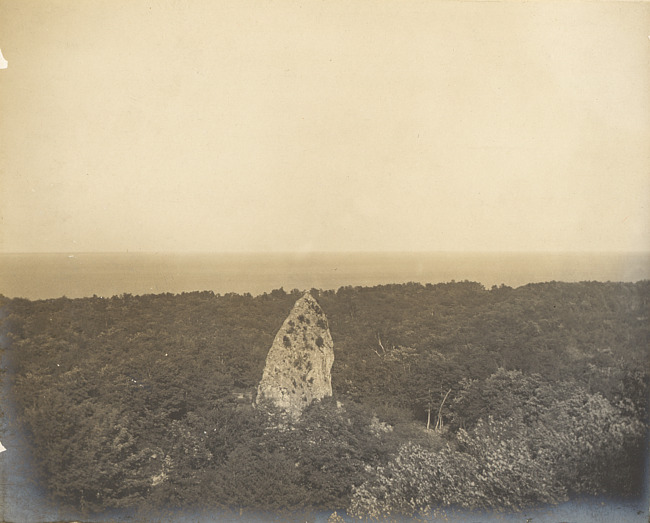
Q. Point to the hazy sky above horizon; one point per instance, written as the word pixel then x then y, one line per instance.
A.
pixel 178 125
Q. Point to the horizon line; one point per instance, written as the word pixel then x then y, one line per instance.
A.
pixel 303 252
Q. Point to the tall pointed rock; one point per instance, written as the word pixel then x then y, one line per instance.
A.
pixel 298 364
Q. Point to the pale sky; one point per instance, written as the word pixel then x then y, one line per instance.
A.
pixel 277 125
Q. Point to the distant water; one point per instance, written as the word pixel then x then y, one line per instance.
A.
pixel 39 276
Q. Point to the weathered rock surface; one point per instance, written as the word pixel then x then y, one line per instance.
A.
pixel 299 362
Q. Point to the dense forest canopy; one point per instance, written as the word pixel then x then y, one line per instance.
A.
pixel 531 395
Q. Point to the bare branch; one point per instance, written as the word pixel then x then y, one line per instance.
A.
pixel 439 420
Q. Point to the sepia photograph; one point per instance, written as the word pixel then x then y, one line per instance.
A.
pixel 325 262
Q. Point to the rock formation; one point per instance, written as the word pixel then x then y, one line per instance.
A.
pixel 298 365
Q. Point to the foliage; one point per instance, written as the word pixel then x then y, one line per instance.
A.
pixel 135 399
pixel 537 442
